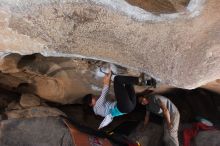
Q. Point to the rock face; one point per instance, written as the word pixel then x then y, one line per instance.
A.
pixel 14 106
pixel 29 100
pixel 180 48
pixel 62 80
pixel 40 111
pixel 38 131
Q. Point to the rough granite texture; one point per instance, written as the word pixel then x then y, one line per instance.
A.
pixel 49 131
pixel 182 49
pixel 40 111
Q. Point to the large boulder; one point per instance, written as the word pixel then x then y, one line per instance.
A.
pixel 180 48
pixel 49 131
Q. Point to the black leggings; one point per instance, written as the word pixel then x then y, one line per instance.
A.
pixel 124 93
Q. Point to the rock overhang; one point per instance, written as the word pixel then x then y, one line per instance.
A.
pixel 173 48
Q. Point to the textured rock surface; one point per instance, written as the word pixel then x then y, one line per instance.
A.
pixel 39 111
pixel 29 100
pixel 35 131
pixel 180 49
pixel 14 105
pixel 56 79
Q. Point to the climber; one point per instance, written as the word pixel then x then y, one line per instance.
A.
pixel 162 106
pixel 124 95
